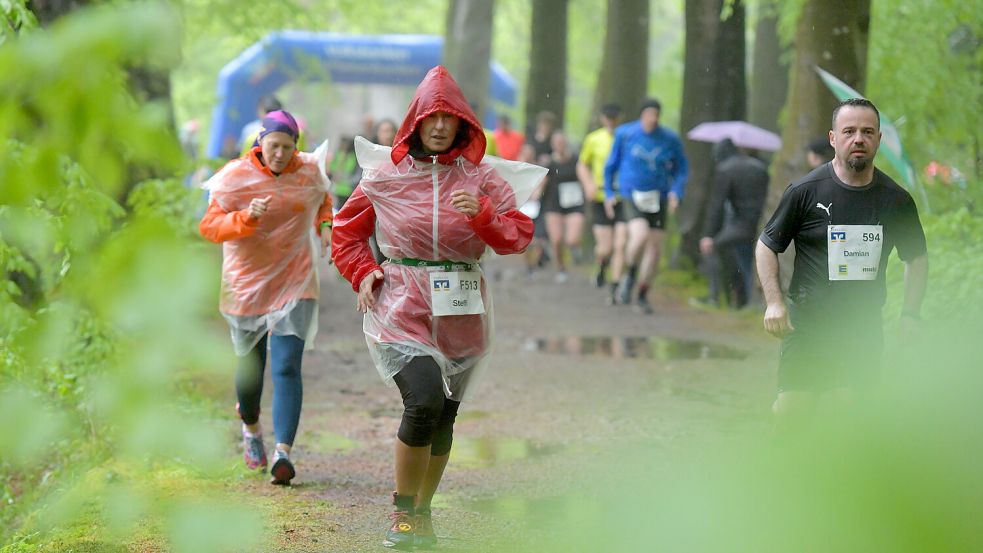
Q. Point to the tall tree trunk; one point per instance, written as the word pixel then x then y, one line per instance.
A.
pixel 547 88
pixel 714 89
pixel 467 49
pixel 769 74
pixel 47 11
pixel 623 78
pixel 730 56
pixel 831 34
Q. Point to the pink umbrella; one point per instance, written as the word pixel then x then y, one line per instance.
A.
pixel 743 135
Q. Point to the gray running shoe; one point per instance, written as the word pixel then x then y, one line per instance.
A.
pixel 253 452
pixel 624 292
pixel 425 538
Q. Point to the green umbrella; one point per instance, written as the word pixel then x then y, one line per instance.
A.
pixel 891 148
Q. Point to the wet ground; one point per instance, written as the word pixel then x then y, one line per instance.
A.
pixel 573 386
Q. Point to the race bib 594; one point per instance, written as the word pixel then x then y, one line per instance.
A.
pixel 854 251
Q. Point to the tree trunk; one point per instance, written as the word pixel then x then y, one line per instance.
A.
pixel 714 89
pixel 47 11
pixel 623 78
pixel 831 34
pixel 547 90
pixel 467 49
pixel 769 75
pixel 731 60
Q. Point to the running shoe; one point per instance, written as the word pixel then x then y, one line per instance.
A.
pixel 282 471
pixel 561 277
pixel 425 538
pixel 705 303
pixel 401 534
pixel 624 292
pixel 600 279
pixel 643 306
pixel 577 257
pixel 253 452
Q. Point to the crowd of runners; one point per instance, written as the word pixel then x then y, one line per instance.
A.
pixel 409 214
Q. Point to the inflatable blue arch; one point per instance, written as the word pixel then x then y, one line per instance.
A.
pixel 285 56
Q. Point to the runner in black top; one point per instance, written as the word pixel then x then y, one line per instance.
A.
pixel 563 205
pixel 845 217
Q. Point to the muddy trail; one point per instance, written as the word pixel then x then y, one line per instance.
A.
pixel 572 382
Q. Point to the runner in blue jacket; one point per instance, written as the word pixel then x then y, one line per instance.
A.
pixel 648 162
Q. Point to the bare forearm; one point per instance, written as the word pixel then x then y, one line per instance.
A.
pixel 915 283
pixel 767 264
pixel 586 179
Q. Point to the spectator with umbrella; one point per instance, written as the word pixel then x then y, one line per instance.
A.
pixel 740 186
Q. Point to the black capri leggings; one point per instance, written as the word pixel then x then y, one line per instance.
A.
pixel 428 416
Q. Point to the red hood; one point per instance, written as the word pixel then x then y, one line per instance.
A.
pixel 439 92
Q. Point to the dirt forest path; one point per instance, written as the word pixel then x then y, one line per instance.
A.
pixel 571 381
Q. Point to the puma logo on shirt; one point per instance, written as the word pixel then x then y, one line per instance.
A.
pixel 649 156
pixel 825 208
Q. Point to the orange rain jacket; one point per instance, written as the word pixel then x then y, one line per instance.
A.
pixel 268 263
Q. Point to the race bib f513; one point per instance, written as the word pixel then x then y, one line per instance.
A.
pixel 456 293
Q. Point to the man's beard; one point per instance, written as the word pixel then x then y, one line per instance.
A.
pixel 858 164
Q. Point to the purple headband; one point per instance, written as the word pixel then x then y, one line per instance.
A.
pixel 278 121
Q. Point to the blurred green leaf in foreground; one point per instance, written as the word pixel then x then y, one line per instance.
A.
pixel 101 303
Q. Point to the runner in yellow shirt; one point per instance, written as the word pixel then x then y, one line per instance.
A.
pixel 610 234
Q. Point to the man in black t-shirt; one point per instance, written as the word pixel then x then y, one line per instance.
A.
pixel 845 217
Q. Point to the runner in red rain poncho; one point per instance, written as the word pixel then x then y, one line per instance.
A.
pixel 435 207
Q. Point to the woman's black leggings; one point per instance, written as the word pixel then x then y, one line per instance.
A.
pixel 428 416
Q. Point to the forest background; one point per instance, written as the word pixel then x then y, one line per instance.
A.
pixel 108 296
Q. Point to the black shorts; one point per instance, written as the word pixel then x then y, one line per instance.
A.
pixel 539 226
pixel 555 208
pixel 655 220
pixel 600 217
pixel 828 352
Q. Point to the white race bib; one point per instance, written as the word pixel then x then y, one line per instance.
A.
pixel 456 293
pixel 571 194
pixel 647 202
pixel 854 251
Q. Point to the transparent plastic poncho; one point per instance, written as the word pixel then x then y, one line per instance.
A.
pixel 270 278
pixel 415 219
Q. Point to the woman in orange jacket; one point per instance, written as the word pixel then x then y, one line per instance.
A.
pixel 266 209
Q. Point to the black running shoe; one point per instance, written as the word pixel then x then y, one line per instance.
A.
pixel 643 306
pixel 600 279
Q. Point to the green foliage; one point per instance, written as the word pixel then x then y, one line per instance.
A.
pixel 896 470
pixel 177 204
pixel 955 268
pixel 100 304
pixel 926 70
pixel 788 19
pixel 15 18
